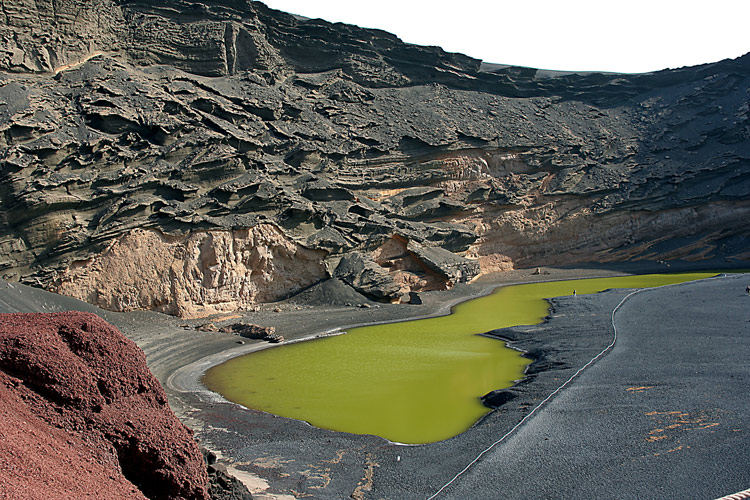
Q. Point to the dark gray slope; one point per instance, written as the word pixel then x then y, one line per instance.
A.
pixel 161 337
pixel 332 292
pixel 17 298
pixel 684 434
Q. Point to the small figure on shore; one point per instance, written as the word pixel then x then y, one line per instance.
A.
pixel 747 289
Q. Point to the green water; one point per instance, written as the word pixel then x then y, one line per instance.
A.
pixel 410 382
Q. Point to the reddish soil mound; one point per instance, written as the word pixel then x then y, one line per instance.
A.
pixel 82 416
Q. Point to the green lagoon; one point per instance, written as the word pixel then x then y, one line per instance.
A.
pixel 410 382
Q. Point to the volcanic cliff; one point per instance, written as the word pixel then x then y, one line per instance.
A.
pixel 197 157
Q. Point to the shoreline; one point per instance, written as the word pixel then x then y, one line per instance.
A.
pixel 294 457
pixel 188 378
pixel 281 436
pixel 613 416
pixel 276 443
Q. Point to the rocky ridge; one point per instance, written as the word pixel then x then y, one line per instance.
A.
pixel 177 136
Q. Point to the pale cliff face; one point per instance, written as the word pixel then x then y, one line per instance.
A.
pixel 196 275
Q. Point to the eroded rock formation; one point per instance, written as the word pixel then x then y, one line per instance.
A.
pixel 84 417
pixel 416 268
pixel 196 275
pixel 215 116
pixel 50 35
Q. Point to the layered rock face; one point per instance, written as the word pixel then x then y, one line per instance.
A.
pixel 195 275
pixel 83 416
pixel 49 35
pixel 404 167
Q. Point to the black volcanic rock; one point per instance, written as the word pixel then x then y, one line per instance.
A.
pixel 252 331
pixel 188 117
pixel 451 267
pixel 495 399
pixel 367 277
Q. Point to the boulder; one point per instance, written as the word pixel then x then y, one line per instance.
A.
pixel 495 399
pixel 207 327
pixel 367 277
pixel 221 485
pixel 454 268
pixel 252 331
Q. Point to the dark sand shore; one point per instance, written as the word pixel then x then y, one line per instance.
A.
pixel 663 415
pixel 284 456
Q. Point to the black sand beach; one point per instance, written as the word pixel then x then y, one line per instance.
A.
pixel 282 456
pixel 664 415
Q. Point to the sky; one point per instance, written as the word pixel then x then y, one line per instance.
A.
pixel 628 36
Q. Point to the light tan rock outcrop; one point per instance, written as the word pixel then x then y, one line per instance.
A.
pixel 195 275
pixel 565 233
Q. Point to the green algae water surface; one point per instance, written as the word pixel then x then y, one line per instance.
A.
pixel 410 382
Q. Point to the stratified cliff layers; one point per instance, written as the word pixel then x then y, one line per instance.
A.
pixel 192 157
pixel 82 415
pixel 199 274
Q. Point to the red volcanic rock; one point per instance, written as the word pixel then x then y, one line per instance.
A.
pixel 40 461
pixel 81 414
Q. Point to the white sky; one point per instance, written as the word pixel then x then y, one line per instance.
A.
pixel 605 35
